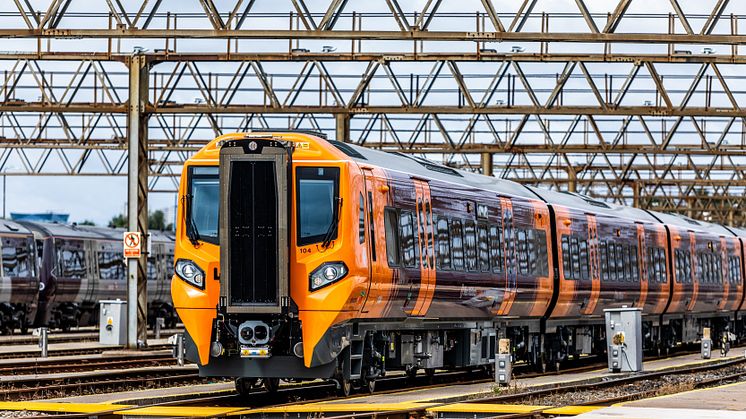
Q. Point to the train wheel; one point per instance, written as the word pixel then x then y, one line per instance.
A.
pixel 369 386
pixel 345 386
pixel 245 384
pixel 271 384
pixel 411 373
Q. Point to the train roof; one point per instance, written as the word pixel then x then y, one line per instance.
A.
pixel 429 170
pixel 63 230
pixel 589 204
pixel 740 232
pixel 10 227
pixel 90 232
pixel 691 224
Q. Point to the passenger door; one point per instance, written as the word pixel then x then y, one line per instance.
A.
pixel 375 201
pixel 426 241
pixel 593 262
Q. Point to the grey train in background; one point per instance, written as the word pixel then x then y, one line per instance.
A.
pixel 54 275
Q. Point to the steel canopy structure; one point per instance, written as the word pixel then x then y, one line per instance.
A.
pixel 632 102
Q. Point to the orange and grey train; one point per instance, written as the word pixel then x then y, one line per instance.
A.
pixel 300 258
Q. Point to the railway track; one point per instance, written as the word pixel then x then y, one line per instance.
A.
pixel 51 386
pixel 625 388
pixel 83 335
pixel 622 388
pixel 57 366
pixel 59 352
pixel 158 375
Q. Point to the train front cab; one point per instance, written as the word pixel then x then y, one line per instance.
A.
pixel 266 325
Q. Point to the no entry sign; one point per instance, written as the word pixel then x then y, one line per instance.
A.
pixel 132 244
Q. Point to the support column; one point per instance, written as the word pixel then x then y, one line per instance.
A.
pixel 572 184
pixel 137 199
pixel 636 194
pixel 487 164
pixel 342 127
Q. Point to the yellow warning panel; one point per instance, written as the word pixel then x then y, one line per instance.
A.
pixel 324 407
pixel 486 408
pixel 62 407
pixel 178 411
pixel 571 410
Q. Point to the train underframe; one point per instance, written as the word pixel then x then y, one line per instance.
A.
pixel 13 317
pixel 361 352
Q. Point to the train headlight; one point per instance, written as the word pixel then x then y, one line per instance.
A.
pixel 190 272
pixel 327 273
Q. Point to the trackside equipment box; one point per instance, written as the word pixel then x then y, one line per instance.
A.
pixel 112 322
pixel 624 339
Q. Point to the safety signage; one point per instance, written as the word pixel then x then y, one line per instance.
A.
pixel 132 244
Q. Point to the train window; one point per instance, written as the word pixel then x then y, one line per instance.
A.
pixel 391 228
pixel 484 248
pixel 620 262
pixel 575 253
pixel 542 257
pixel 202 203
pixel 531 251
pixel 566 265
pixel 361 220
pixel 719 265
pixel 470 245
pixel 496 248
pixel 611 260
pixel 444 244
pixel 626 263
pixel 633 263
pixel 372 226
pixel 604 263
pixel 651 268
pixel 111 265
pixel 421 230
pixel 16 258
pixel 431 241
pixel 678 255
pixel 72 262
pixel 317 203
pixel 408 245
pixel 662 264
pixel 457 245
pixel 688 267
pixel 522 252
pixel 584 266
pixel 737 269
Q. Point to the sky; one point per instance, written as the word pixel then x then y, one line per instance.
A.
pixel 96 199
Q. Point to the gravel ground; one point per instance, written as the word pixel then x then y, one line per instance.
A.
pixel 668 384
pixel 20 413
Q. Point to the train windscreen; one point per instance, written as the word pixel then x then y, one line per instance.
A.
pixel 204 198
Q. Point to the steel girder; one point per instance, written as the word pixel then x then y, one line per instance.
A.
pixel 613 100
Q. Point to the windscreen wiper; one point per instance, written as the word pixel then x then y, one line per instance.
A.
pixel 332 230
pixel 191 228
